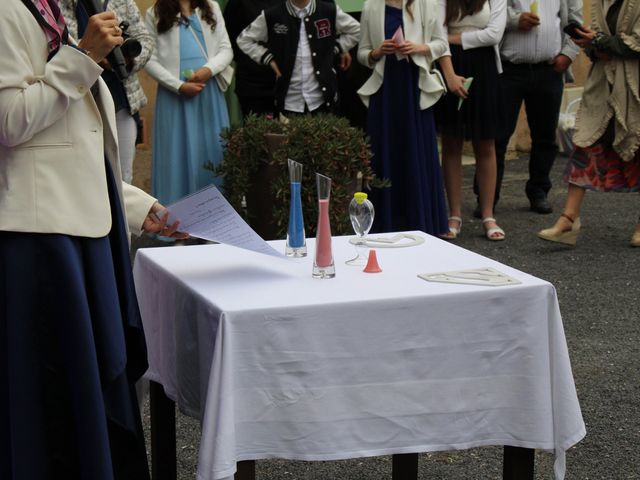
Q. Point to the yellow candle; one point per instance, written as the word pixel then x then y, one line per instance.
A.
pixel 534 7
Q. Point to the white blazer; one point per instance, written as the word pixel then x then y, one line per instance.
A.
pixel 164 64
pixel 54 137
pixel 426 29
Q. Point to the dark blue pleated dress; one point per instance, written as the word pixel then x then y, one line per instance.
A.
pixel 403 140
pixel 71 349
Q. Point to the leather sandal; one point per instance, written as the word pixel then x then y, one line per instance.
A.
pixel 453 232
pixel 491 232
pixel 566 237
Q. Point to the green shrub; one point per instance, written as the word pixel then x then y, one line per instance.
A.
pixel 322 143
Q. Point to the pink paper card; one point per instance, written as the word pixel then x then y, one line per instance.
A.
pixel 398 39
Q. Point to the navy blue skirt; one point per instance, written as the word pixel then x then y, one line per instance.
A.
pixel 476 119
pixel 71 349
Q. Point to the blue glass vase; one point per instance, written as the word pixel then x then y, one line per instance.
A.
pixel 296 242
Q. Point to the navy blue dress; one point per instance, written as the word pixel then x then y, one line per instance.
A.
pixel 71 349
pixel 403 140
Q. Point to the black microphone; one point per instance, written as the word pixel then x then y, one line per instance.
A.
pixel 115 58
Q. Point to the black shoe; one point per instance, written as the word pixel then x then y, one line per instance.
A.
pixel 540 205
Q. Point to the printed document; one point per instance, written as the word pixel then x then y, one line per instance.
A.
pixel 207 214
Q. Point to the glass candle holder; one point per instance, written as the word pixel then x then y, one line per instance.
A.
pixel 361 214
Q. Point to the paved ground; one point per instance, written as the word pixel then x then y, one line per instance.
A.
pixel 598 289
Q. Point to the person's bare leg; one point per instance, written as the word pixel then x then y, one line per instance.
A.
pixel 485 152
pixel 635 239
pixel 572 206
pixel 452 172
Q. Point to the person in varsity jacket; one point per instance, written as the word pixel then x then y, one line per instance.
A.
pixel 300 40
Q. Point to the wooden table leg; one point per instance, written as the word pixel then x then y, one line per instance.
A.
pixel 163 434
pixel 246 470
pixel 404 466
pixel 518 463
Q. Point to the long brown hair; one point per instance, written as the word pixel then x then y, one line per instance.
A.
pixel 167 13
pixel 410 8
pixel 461 8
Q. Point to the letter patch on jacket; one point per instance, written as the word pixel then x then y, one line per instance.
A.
pixel 280 29
pixel 323 27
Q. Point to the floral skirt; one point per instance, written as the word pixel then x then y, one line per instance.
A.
pixel 600 168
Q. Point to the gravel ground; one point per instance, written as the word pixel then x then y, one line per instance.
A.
pixel 598 289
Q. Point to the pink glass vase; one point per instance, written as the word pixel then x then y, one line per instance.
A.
pixel 323 265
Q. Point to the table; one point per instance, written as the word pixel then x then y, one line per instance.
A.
pixel 277 364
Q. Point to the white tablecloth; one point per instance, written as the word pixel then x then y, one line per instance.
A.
pixel 278 364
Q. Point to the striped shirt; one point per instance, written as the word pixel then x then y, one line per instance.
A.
pixel 541 43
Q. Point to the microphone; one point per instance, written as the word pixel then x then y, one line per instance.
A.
pixel 115 57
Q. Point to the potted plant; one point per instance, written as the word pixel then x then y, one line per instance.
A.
pixel 255 169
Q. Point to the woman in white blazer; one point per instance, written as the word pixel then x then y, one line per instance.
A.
pixel 70 333
pixel 400 40
pixel 474 30
pixel 191 63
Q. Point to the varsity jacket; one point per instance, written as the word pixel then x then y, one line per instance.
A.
pixel 274 35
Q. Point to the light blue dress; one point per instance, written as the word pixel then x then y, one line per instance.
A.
pixel 186 134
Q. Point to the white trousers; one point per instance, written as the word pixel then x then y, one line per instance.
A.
pixel 127 132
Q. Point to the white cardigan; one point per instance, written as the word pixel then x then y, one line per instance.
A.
pixel 489 36
pixel 54 137
pixel 426 29
pixel 164 64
